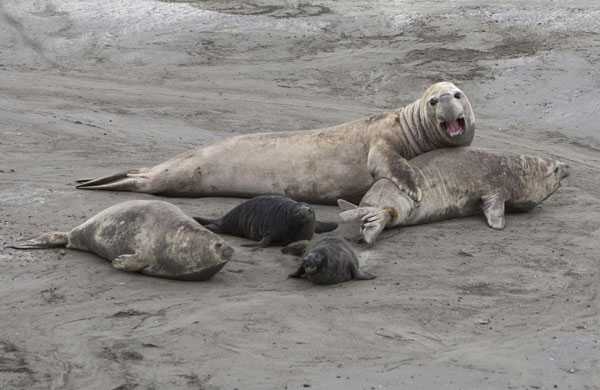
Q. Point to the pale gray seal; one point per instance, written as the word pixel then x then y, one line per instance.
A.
pixel 459 182
pixel 153 237
pixel 272 220
pixel 317 166
pixel 330 260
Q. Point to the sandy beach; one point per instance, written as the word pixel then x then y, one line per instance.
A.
pixel 89 88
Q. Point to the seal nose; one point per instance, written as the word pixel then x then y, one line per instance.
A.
pixel 450 110
pixel 227 252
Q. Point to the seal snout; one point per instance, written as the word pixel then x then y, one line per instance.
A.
pixel 225 250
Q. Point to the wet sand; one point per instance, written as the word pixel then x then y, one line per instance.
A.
pixel 89 88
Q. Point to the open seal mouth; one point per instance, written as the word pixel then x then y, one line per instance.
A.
pixel 455 128
pixel 310 268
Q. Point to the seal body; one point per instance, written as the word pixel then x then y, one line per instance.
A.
pixel 267 219
pixel 330 260
pixel 153 237
pixel 459 182
pixel 317 166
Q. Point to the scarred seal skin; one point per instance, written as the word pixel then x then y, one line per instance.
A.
pixel 271 220
pixel 316 166
pixel 152 237
pixel 330 260
pixel 459 182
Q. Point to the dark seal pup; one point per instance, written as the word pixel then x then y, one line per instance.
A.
pixel 272 220
pixel 153 237
pixel 330 260
pixel 459 182
pixel 316 166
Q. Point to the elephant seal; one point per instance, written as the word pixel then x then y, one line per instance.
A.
pixel 316 166
pixel 330 260
pixel 153 237
pixel 270 220
pixel 459 182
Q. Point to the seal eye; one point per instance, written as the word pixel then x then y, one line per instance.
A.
pixel 218 245
pixel 556 170
pixel 458 95
pixel 433 101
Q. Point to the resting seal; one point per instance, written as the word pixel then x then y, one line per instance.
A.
pixel 330 260
pixel 459 182
pixel 153 237
pixel 270 220
pixel 317 166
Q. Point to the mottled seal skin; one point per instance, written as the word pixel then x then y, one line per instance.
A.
pixel 459 182
pixel 153 237
pixel 316 166
pixel 330 260
pixel 272 220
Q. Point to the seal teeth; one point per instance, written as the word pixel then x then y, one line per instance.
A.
pixel 453 128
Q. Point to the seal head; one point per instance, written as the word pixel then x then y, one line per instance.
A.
pixel 448 115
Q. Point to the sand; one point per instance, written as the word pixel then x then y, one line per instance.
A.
pixel 89 88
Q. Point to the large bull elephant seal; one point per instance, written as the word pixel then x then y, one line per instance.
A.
pixel 153 237
pixel 317 166
pixel 459 182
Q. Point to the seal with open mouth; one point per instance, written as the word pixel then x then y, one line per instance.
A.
pixel 459 182
pixel 330 260
pixel 152 237
pixel 317 166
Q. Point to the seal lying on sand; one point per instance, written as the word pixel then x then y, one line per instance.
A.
pixel 317 166
pixel 459 182
pixel 330 260
pixel 153 237
pixel 270 220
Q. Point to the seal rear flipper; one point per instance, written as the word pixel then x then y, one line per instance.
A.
pixel 122 181
pixel 324 227
pixel 356 274
pixel 295 248
pixel 46 240
pixel 131 263
pixel 211 224
pixel 493 209
pixel 266 241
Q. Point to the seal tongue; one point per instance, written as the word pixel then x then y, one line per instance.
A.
pixel 453 128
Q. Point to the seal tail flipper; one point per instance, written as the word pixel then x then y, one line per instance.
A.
pixel 324 227
pixel 211 224
pixel 345 205
pixel 372 221
pixel 122 181
pixel 358 275
pixel 46 240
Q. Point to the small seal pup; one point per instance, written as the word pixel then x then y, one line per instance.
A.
pixel 459 182
pixel 153 237
pixel 270 220
pixel 330 260
pixel 316 166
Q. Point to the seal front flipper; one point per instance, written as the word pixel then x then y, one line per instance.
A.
pixel 295 248
pixel 299 272
pixel 356 274
pixel 493 209
pixel 266 241
pixel 132 262
pixel 324 227
pixel 384 161
pixel 46 240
